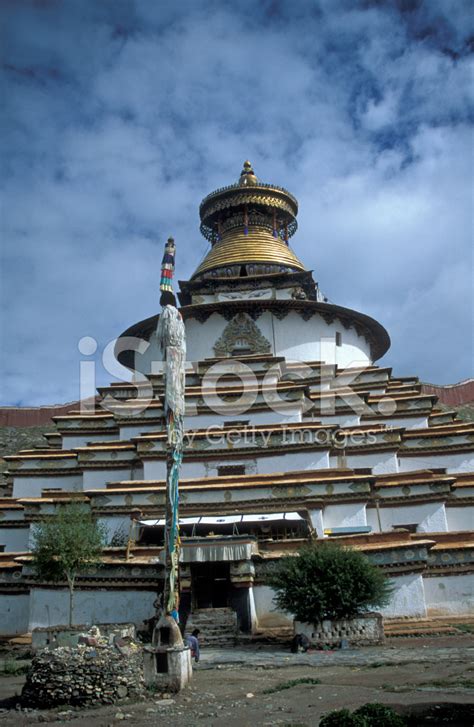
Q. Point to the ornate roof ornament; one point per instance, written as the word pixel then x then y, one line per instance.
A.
pixel 260 218
pixel 241 335
pixel 247 176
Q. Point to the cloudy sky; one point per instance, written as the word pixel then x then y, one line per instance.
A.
pixel 120 115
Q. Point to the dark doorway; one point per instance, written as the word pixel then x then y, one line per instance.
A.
pixel 210 584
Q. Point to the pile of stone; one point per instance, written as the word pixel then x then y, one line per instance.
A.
pixel 93 673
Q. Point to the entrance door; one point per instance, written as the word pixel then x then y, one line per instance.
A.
pixel 210 584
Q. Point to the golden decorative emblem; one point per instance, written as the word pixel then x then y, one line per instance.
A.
pixel 241 333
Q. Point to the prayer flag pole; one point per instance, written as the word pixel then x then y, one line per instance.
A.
pixel 171 338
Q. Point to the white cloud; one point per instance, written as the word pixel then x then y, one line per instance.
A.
pixel 120 120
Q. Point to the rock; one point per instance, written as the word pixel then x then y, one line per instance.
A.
pixel 249 695
pixel 87 640
pixel 119 715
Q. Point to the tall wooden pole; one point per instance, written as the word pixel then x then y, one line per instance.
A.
pixel 171 338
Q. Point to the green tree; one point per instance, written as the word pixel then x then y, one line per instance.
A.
pixel 65 544
pixel 325 580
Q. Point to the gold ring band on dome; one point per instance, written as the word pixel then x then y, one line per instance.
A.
pixel 259 246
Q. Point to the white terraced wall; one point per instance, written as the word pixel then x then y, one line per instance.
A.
pixel 428 517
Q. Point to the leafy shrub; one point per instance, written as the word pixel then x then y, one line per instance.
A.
pixel 379 714
pixel 369 715
pixel 291 683
pixel 326 580
pixel 13 668
pixel 341 718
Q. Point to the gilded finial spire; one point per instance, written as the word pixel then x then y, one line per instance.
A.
pixel 247 175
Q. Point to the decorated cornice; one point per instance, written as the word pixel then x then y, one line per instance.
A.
pixel 302 278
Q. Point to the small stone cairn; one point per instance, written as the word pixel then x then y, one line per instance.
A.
pixel 93 673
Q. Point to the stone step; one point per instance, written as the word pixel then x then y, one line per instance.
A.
pixel 421 627
pixel 211 621
pixel 218 626
pixel 423 631
pixel 441 620
pixel 208 625
pixel 211 630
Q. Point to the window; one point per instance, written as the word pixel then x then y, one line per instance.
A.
pixel 232 469
pixel 338 338
pixel 411 527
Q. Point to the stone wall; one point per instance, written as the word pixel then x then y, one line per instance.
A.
pixel 83 677
pixel 361 631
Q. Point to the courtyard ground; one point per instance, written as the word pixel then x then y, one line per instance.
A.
pixel 269 686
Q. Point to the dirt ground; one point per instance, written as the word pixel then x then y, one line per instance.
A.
pixel 266 688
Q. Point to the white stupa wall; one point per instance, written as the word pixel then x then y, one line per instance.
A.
pixel 292 337
pixel 32 486
pixel 319 459
pixel 428 517
pixel 420 422
pixel 316 517
pixel 269 416
pixel 70 441
pixel 267 615
pixel 408 597
pixel 15 613
pixel 381 462
pixel 15 540
pixel 115 525
pixel 96 479
pixel 449 595
pixel 459 518
pixel 452 461
pixel 49 607
pixel 346 515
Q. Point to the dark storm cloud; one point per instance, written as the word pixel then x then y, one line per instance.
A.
pixel 120 116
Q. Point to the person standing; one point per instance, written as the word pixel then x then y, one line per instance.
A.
pixel 193 643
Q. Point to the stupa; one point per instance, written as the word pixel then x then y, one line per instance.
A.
pixel 292 432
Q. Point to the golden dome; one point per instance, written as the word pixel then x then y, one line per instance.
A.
pixel 258 246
